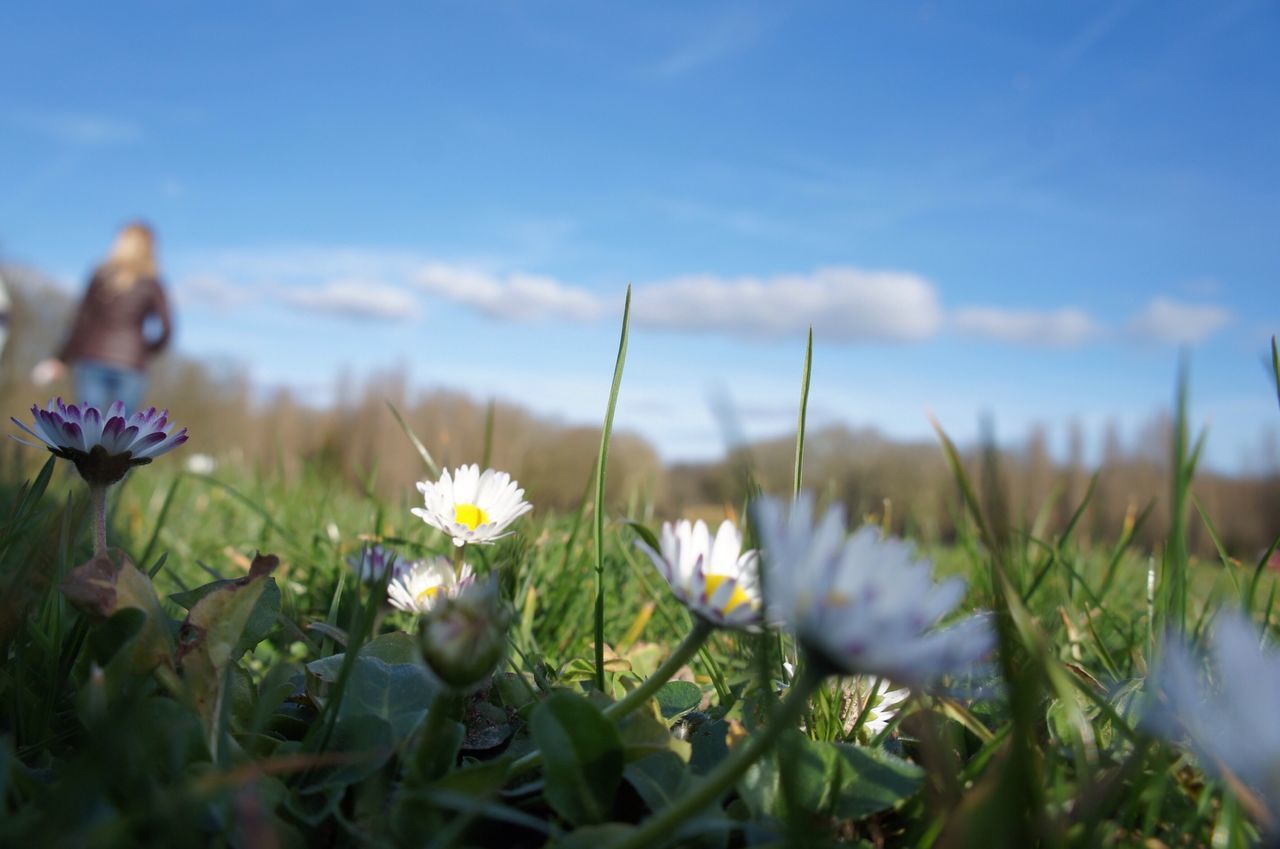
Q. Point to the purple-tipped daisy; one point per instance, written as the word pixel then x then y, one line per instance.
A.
pixel 711 575
pixel 104 446
pixel 863 604
pixel 375 563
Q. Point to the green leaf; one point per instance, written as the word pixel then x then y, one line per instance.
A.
pixel 873 780
pixel 397 693
pixel 582 757
pixel 658 779
pixel 593 837
pixel 367 740
pixel 262 618
pixel 709 746
pixel 677 698
pixel 646 535
pixel 644 732
pixel 210 639
pixel 101 587
pixel 394 648
pixel 828 779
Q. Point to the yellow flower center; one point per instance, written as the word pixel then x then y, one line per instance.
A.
pixel 470 515
pixel 428 595
pixel 738 597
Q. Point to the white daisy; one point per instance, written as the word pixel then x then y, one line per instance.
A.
pixel 714 578
pixel 470 506
pixel 855 693
pixel 881 703
pixel 1230 724
pixel 375 563
pixel 862 604
pixel 103 446
pixel 421 587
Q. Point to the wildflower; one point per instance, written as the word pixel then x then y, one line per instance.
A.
pixel 880 703
pixel 201 464
pixel 463 638
pixel 470 506
pixel 375 563
pixel 714 578
pixel 103 446
pixel 1231 725
pixel 424 584
pixel 859 694
pixel 862 604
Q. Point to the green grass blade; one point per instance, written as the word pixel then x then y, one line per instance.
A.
pixel 1275 366
pixel 602 462
pixel 160 520
pixel 487 453
pixel 804 407
pixel 415 442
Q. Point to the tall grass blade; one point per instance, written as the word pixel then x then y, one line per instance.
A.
pixel 160 520
pixel 1171 602
pixel 602 463
pixel 415 442
pixel 804 407
pixel 487 453
pixel 1275 366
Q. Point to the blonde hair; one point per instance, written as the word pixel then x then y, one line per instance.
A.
pixel 132 257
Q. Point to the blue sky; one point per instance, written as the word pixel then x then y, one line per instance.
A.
pixel 1018 210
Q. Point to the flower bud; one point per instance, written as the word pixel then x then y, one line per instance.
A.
pixel 463 638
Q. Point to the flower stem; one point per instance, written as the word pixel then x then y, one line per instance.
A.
pixel 686 650
pixel 98 498
pixel 458 555
pixel 435 753
pixel 663 824
pixel 619 709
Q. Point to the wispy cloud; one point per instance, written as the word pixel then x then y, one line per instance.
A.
pixel 1178 323
pixel 514 297
pixel 727 34
pixel 841 304
pixel 211 290
pixel 1062 328
pixel 354 299
pixel 78 128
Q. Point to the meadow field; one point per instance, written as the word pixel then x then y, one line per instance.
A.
pixel 217 665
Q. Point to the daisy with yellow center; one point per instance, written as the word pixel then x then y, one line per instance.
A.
pixel 425 583
pixel 712 576
pixel 862 603
pixel 472 506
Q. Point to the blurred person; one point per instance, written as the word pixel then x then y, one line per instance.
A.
pixel 122 322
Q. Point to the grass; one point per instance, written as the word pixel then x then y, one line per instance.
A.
pixel 322 728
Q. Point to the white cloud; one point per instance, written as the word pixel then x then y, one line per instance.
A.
pixel 354 299
pixel 1062 328
pixel 841 304
pixel 211 290
pixel 1177 323
pixel 515 297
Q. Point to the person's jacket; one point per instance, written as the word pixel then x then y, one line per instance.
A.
pixel 110 324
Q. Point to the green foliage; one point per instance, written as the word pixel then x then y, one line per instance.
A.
pixel 206 696
pixel 583 757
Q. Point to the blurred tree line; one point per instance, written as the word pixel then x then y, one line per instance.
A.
pixel 903 484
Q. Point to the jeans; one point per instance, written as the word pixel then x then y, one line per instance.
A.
pixel 101 384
